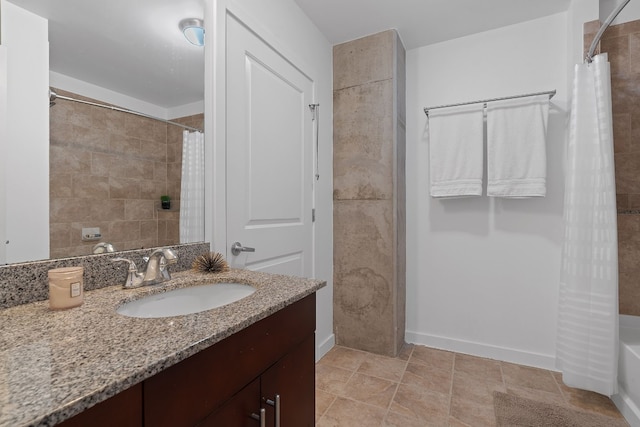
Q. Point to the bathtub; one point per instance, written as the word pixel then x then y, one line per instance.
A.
pixel 628 398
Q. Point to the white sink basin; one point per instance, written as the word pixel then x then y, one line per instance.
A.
pixel 186 300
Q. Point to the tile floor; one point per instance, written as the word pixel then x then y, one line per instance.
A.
pixel 429 387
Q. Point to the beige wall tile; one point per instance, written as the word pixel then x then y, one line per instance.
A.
pixel 98 159
pixel 363 250
pixel 368 59
pixel 618 51
pixel 363 154
pixel 90 187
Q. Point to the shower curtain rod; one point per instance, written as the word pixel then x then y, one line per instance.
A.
pixel 484 101
pixel 53 96
pixel 603 27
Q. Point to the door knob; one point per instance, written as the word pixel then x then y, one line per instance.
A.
pixel 237 247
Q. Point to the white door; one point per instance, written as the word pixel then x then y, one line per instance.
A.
pixel 269 157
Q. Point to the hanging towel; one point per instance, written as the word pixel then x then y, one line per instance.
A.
pixel 455 151
pixel 516 147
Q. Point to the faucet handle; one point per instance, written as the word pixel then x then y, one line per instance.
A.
pixel 132 265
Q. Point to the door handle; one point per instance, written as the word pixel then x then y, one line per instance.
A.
pixel 276 404
pixel 237 247
pixel 261 418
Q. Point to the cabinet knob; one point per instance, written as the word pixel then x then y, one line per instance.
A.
pixel 276 405
pixel 262 417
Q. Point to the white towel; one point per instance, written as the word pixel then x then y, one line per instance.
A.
pixel 516 147
pixel 455 151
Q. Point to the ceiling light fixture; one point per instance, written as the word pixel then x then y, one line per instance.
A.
pixel 193 30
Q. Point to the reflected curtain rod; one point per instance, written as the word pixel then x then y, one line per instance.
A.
pixel 551 93
pixel 603 27
pixel 53 96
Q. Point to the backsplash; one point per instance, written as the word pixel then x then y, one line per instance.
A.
pixel 27 282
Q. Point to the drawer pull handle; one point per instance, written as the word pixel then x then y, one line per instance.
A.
pixel 276 404
pixel 260 417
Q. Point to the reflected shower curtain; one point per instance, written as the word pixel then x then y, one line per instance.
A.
pixel 192 188
pixel 587 347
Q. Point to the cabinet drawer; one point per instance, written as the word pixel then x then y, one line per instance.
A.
pixel 190 390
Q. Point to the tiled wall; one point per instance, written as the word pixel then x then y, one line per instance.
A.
pixel 622 44
pixel 369 188
pixel 108 169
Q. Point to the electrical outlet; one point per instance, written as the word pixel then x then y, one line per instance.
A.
pixel 92 233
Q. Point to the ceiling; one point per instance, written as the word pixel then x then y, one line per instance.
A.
pixel 141 53
pixel 422 22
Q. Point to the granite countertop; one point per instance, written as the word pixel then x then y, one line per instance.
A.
pixel 55 364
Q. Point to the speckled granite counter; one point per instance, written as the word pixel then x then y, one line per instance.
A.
pixel 54 365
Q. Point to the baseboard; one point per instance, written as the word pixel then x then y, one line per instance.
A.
pixel 324 347
pixel 489 351
pixel 627 407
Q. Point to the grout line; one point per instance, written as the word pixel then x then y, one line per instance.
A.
pixel 453 373
pixel 406 363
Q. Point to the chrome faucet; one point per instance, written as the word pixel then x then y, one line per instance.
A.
pixel 154 271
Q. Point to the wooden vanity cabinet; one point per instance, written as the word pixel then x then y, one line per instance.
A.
pixel 277 352
pixel 224 384
pixel 122 410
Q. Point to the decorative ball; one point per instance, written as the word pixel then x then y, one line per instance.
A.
pixel 211 262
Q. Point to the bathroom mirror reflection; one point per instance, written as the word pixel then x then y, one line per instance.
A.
pixel 108 169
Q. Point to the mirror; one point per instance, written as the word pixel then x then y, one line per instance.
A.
pixel 108 169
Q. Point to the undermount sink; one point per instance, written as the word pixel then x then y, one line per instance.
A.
pixel 189 300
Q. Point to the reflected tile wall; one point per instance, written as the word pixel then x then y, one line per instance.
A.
pixel 622 44
pixel 108 169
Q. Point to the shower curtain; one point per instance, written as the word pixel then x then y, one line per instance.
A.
pixel 587 346
pixel 192 188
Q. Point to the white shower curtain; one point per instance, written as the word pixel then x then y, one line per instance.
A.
pixel 587 346
pixel 192 188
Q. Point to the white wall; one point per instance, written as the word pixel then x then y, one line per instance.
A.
pixel 483 273
pixel 26 145
pixel 284 26
pixel 631 11
pixel 103 95
pixel 3 148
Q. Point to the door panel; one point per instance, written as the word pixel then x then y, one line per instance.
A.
pixel 269 156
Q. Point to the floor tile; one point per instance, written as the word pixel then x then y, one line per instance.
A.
pixel 416 402
pixel 383 367
pixel 430 356
pixel 348 413
pixel 478 366
pixel 331 379
pixel 323 401
pixel 405 352
pixel 473 413
pixel 525 376
pixel 344 358
pixel 474 389
pixel 454 422
pixel 396 420
pixel 428 377
pixel 370 390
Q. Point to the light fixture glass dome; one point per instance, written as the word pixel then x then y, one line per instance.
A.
pixel 193 30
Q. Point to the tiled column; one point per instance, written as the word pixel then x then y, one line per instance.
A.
pixel 369 193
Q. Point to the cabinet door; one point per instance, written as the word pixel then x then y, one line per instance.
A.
pixel 292 378
pixel 238 411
